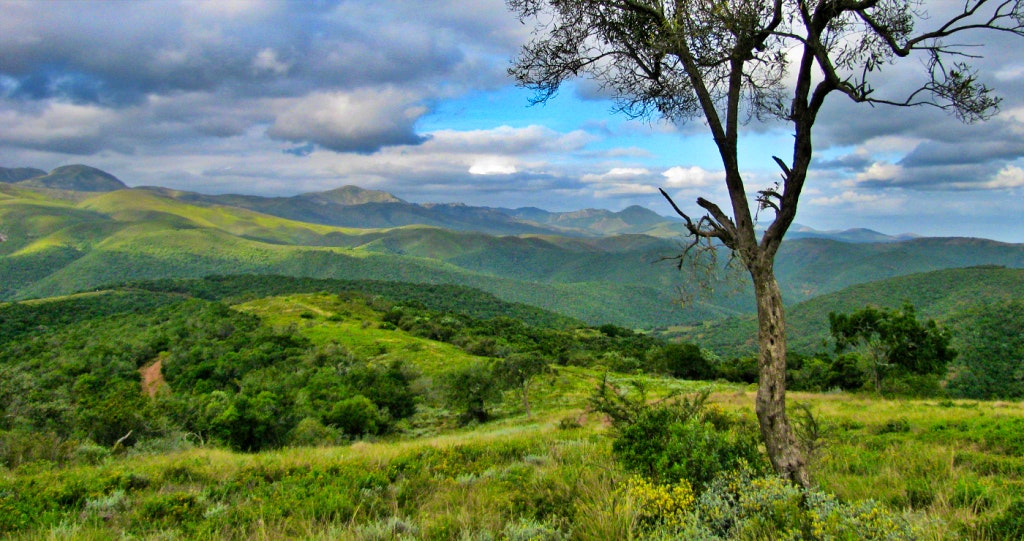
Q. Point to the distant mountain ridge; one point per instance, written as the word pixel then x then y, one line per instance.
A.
pixel 59 243
pixel 352 206
pixel 79 178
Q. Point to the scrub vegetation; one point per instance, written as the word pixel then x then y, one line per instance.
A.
pixel 309 409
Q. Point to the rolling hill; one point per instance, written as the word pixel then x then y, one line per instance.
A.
pixel 941 295
pixel 59 241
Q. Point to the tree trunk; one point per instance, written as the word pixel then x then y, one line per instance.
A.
pixel 526 398
pixel 781 444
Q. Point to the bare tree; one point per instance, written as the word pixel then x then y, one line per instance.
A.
pixel 733 61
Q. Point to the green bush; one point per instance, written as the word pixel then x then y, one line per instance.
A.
pixel 682 439
pixel 356 416
pixel 662 447
pixel 19 447
pixel 469 390
pixel 311 432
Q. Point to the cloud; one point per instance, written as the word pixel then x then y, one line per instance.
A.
pixel 1007 178
pixel 510 141
pixel 267 61
pixel 492 167
pixel 617 175
pixel 689 177
pixel 361 122
pixel 60 127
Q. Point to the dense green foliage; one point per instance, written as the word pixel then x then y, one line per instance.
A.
pixel 436 297
pixel 234 379
pixel 678 439
pixel 938 295
pixel 990 338
pixel 71 367
pixel 892 342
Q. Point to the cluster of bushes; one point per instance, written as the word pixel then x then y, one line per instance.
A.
pixel 887 351
pixel 234 379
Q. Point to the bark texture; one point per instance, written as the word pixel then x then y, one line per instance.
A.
pixel 782 447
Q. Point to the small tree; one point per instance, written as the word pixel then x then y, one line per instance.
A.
pixel 682 360
pixel 518 371
pixel 469 390
pixel 731 61
pixel 893 341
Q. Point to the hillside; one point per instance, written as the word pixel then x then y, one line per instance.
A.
pixel 79 178
pixel 941 295
pixel 59 246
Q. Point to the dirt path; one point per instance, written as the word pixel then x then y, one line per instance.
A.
pixel 153 377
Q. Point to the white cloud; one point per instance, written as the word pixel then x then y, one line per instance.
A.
pixel 616 175
pixel 65 127
pixel 689 177
pixel 492 167
pixel 868 204
pixel 1009 177
pixel 508 140
pixel 879 172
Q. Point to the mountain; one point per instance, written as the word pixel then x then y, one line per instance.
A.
pixel 634 219
pixel 352 206
pixel 79 178
pixel 58 244
pixel 352 195
pixel 19 174
pixel 857 235
pixel 57 247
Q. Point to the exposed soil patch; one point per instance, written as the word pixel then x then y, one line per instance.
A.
pixel 153 377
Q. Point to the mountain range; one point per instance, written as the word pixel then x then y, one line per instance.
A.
pixel 78 228
pixel 352 206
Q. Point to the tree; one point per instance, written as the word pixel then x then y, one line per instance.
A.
pixel 518 370
pixel 730 61
pixel 468 390
pixel 893 341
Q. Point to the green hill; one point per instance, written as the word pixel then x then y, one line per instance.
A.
pixel 19 174
pixel 60 246
pixel 79 178
pixel 941 295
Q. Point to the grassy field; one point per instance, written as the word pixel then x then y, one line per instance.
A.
pixel 949 469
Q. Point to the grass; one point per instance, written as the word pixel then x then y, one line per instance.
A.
pixel 934 462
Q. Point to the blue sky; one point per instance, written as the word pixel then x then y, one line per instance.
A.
pixel 282 97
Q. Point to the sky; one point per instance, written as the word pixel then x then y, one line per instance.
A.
pixel 277 98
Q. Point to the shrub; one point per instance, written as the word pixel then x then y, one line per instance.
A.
pixel 741 504
pixel 356 416
pixel 311 432
pixel 682 439
pixel 468 391
pixel 19 447
pixel 681 361
pixel 660 505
